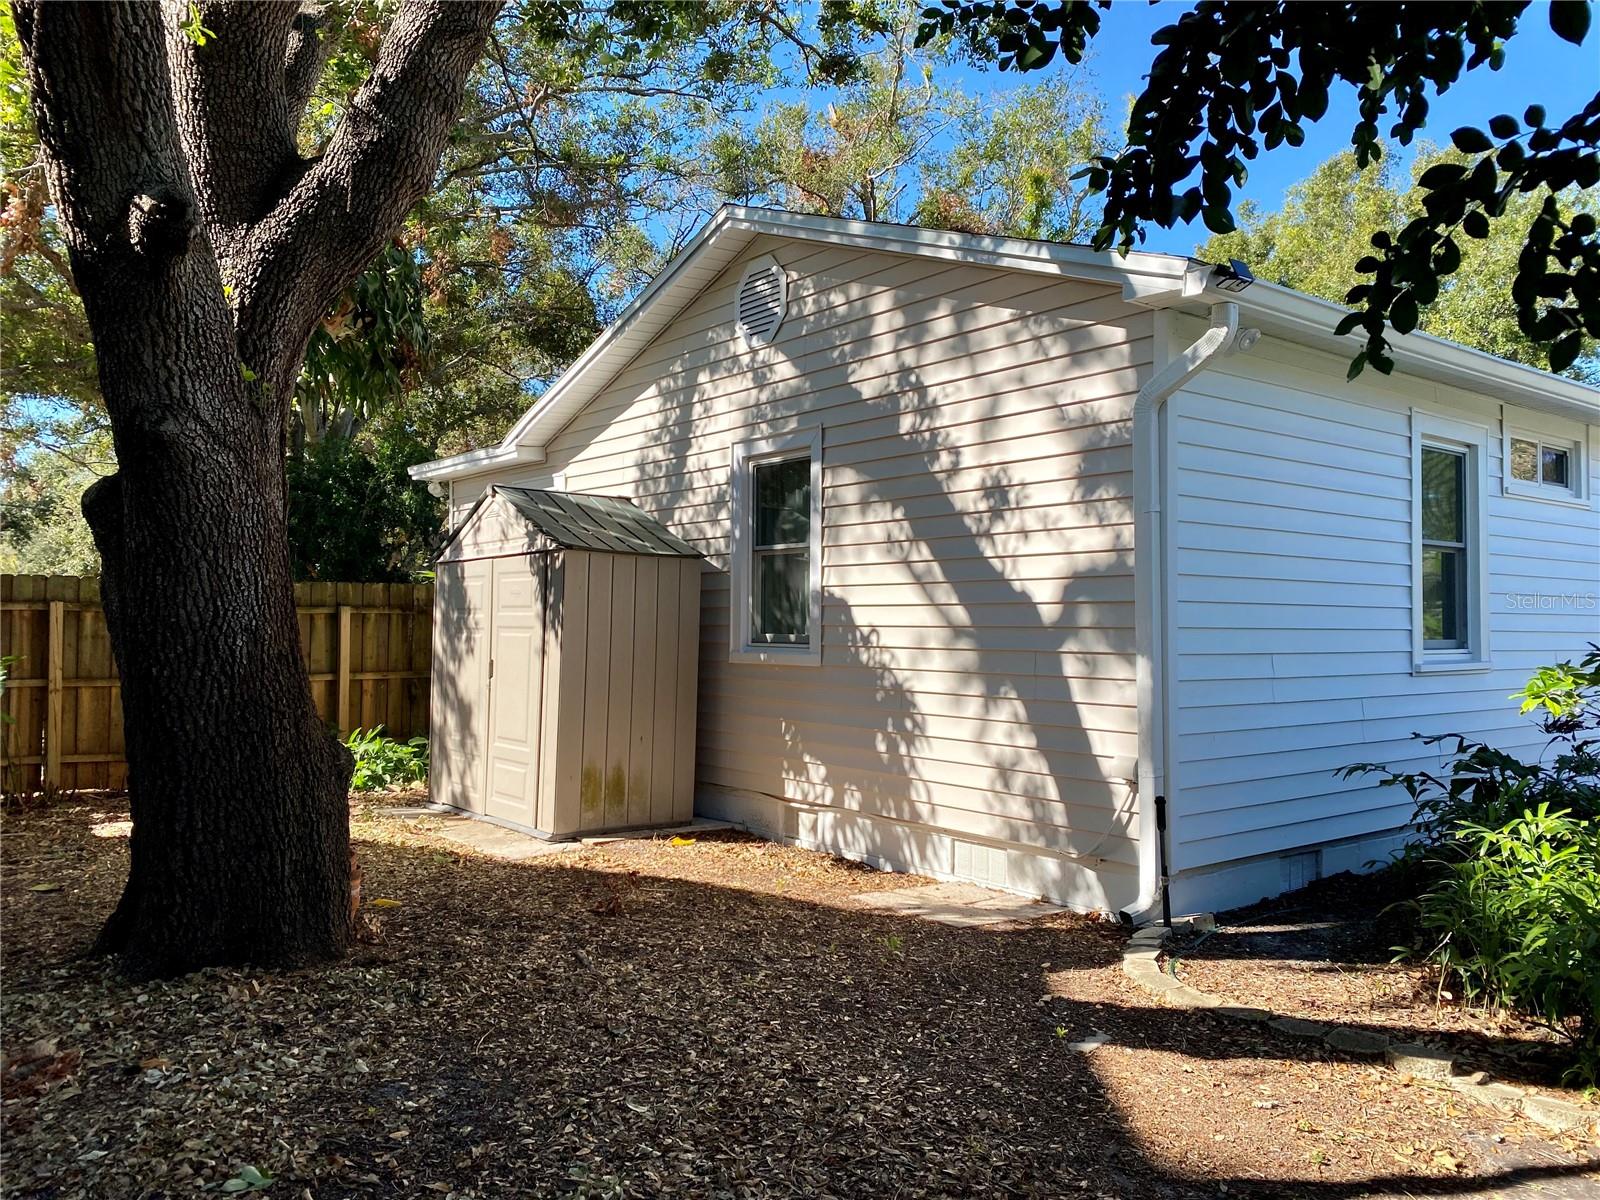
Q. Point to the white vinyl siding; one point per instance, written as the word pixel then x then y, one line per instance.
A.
pixel 975 629
pixel 1292 577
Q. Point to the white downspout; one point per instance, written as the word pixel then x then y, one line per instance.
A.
pixel 1150 571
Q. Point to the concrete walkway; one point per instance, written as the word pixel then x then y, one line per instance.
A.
pixel 514 845
pixel 959 904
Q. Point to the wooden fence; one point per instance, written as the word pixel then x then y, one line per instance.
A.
pixel 367 646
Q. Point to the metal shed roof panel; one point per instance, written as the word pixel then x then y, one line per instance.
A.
pixel 604 523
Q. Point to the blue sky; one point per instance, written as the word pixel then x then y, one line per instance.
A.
pixel 1540 68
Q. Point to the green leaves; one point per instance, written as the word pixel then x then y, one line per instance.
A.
pixel 1509 859
pixel 1231 81
pixel 1504 126
pixel 249 1179
pixel 1569 20
pixel 381 762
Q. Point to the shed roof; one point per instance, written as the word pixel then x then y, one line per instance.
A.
pixel 575 521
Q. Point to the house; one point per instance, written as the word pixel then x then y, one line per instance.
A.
pixel 1017 551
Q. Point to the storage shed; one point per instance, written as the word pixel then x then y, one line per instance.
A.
pixel 566 632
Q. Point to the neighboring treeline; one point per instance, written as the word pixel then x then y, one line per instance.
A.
pixel 1326 225
pixel 570 181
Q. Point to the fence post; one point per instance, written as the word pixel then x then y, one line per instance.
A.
pixel 344 670
pixel 54 695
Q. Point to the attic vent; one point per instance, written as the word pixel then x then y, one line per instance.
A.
pixel 762 300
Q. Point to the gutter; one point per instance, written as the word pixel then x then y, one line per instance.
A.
pixel 1150 574
pixel 475 462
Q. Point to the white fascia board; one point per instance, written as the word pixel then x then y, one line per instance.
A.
pixel 1311 321
pixel 1147 279
pixel 1021 254
pixel 475 462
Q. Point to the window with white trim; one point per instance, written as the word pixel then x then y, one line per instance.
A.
pixel 1449 568
pixel 776 568
pixel 1543 460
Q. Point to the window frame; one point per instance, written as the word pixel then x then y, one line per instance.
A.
pixel 1430 431
pixel 746 457
pixel 1545 433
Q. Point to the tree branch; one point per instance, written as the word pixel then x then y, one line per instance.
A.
pixel 310 44
pixel 377 165
pixel 232 107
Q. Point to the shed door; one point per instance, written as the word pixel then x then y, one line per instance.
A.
pixel 461 683
pixel 515 688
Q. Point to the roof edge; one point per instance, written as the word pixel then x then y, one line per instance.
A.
pixel 1147 279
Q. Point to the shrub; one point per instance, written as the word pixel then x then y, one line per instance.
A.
pixel 1507 862
pixel 1515 918
pixel 384 761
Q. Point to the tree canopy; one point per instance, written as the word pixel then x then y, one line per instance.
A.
pixel 1326 224
pixel 1234 80
pixel 587 151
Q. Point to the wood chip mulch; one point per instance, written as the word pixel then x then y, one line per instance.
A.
pixel 640 1019
pixel 1327 953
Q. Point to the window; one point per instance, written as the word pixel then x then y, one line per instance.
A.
pixel 1543 463
pixel 775 613
pixel 781 602
pixel 1449 578
pixel 1444 548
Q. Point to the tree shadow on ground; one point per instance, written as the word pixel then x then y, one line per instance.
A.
pixel 626 1023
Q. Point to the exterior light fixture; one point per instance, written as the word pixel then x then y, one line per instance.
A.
pixel 1234 277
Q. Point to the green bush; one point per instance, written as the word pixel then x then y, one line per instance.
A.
pixel 383 761
pixel 1514 916
pixel 1507 863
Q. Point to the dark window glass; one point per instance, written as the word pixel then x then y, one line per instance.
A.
pixel 1443 621
pixel 780 570
pixel 1444 549
pixel 782 597
pixel 1443 473
pixel 1555 467
pixel 783 502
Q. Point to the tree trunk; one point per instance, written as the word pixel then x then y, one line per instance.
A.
pixel 174 171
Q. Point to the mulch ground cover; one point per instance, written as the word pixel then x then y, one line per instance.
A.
pixel 643 1018
pixel 1327 952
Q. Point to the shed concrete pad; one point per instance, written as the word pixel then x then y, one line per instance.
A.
pixel 485 836
pixel 959 904
pixel 696 826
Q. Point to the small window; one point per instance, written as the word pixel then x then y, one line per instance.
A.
pixel 776 562
pixel 780 546
pixel 1450 584
pixel 1543 466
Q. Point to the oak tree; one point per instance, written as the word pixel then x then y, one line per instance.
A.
pixel 206 249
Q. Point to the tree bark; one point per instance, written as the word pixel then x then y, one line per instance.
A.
pixel 175 173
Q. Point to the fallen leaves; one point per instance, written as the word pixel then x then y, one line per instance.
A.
pixel 644 1019
pixel 36 1066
